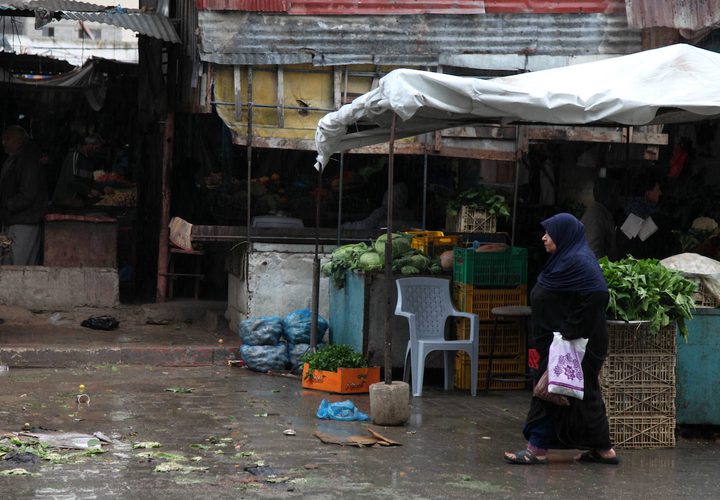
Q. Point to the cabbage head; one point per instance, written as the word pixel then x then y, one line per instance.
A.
pixel 370 261
pixel 400 245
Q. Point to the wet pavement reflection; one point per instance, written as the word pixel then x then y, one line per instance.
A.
pixel 221 434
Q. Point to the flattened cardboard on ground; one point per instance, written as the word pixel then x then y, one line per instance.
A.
pixel 375 438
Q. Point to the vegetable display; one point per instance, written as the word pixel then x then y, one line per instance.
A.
pixel 645 290
pixel 363 258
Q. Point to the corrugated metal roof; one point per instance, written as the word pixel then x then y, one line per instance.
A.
pixel 348 7
pixel 148 24
pixel 55 5
pixel 145 23
pixel 253 38
pixel 385 7
pixel 692 15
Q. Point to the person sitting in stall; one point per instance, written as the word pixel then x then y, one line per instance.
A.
pixel 402 214
pixel 76 186
pixel 646 232
pixel 599 219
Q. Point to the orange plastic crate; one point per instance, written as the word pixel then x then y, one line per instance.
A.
pixel 343 381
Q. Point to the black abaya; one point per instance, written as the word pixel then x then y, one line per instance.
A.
pixel 584 423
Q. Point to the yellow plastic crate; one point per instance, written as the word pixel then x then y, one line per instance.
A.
pixel 481 301
pixel 508 367
pixel 433 246
pixel 508 340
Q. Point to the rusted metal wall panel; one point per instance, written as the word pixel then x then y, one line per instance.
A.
pixel 253 38
pixel 555 7
pixel 244 5
pixel 385 7
pixel 679 14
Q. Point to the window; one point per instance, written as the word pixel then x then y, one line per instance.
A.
pixel 48 32
pixel 85 33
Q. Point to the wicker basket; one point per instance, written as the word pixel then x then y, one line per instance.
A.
pixel 635 337
pixel 652 431
pixel 703 297
pixel 638 385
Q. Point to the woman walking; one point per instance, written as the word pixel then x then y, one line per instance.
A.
pixel 570 297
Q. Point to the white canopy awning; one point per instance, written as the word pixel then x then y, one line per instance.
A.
pixel 672 84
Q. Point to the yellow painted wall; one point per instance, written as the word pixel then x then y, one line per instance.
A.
pixel 302 83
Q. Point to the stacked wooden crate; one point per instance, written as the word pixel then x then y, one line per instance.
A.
pixel 481 282
pixel 638 384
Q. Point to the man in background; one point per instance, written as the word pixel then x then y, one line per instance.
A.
pixel 599 219
pixel 76 186
pixel 23 197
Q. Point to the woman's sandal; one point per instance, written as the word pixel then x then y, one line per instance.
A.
pixel 594 457
pixel 524 457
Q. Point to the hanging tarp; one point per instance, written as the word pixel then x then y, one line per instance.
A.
pixel 85 76
pixel 672 84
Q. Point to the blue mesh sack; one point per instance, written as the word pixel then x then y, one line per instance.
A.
pixel 265 330
pixel 295 351
pixel 297 325
pixel 264 358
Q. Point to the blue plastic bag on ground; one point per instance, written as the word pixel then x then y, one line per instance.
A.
pixel 264 358
pixel 265 330
pixel 344 410
pixel 297 325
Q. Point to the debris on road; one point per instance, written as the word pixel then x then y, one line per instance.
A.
pixel 375 438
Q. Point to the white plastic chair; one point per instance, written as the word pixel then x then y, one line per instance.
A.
pixel 426 304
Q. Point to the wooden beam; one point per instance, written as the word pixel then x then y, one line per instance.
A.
pixel 281 96
pixel 592 134
pixel 237 81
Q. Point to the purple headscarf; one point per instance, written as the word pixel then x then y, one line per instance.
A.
pixel 573 266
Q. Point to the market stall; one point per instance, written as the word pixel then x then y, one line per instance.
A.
pixel 669 85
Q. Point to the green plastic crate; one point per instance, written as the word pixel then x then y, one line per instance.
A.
pixel 490 269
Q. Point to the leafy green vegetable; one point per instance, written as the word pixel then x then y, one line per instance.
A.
pixel 401 244
pixel 331 357
pixel 480 198
pixel 370 261
pixel 359 256
pixel 645 290
pixel 343 259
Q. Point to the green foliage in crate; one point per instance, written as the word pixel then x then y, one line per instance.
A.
pixel 331 357
pixel 481 198
pixel 645 290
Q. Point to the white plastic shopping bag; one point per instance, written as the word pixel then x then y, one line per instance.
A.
pixel 565 375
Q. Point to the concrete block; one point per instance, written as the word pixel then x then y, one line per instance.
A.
pixel 281 283
pixel 59 288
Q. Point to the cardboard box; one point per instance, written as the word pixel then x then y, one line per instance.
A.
pixel 343 381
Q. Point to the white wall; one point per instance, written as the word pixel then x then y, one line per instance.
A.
pixel 65 43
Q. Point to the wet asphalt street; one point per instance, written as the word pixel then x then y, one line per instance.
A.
pixel 225 439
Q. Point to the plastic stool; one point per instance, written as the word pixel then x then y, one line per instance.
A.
pixel 522 314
